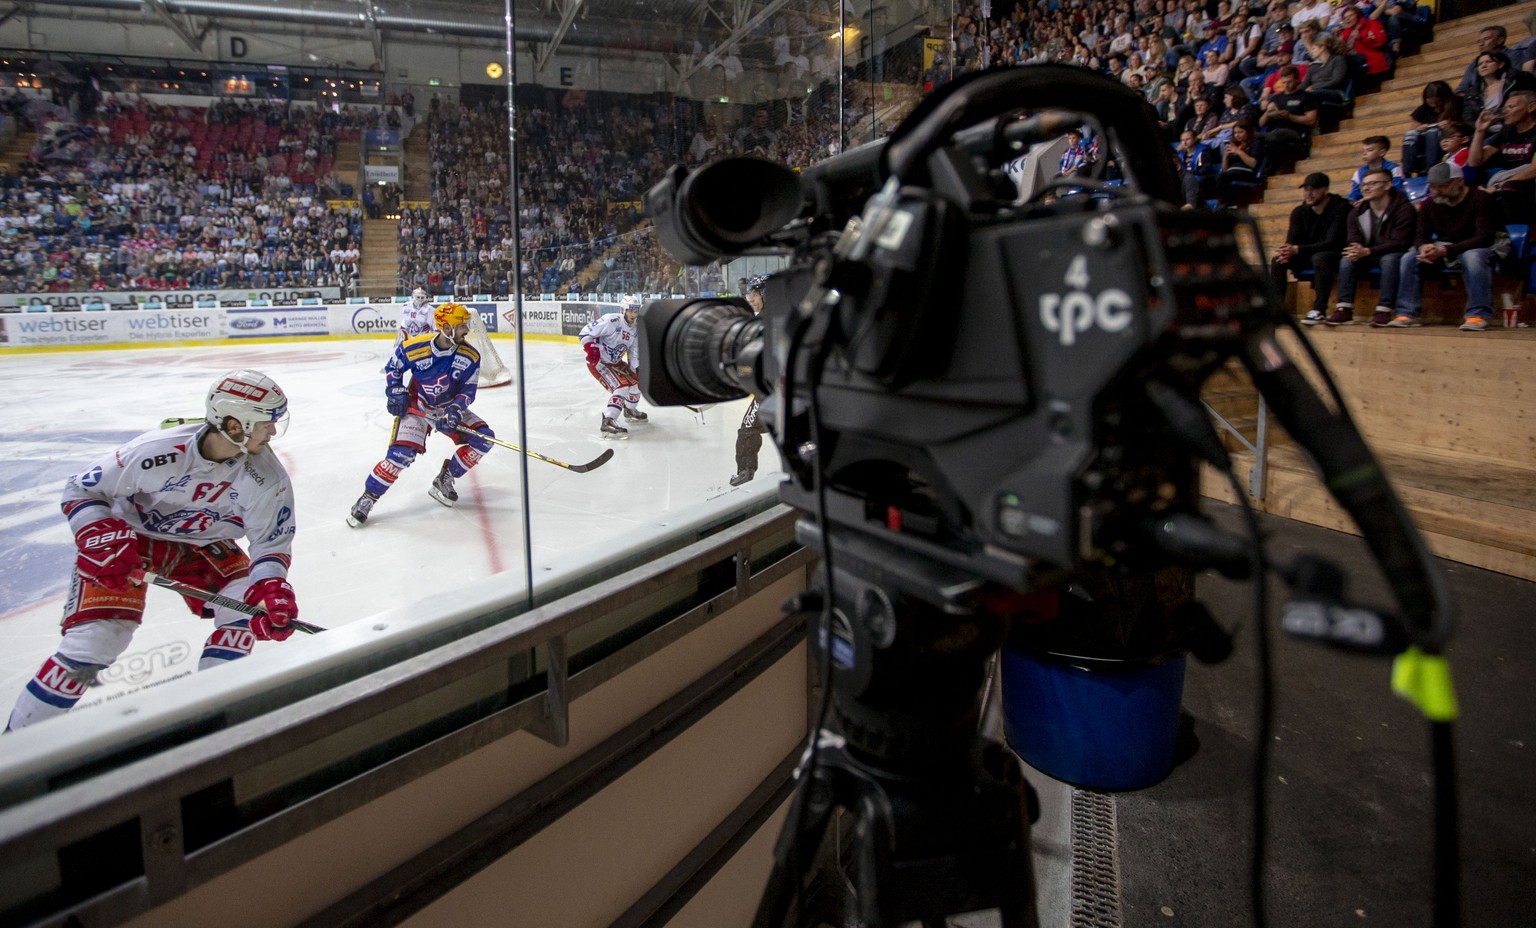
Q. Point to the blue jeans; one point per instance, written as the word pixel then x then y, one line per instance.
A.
pixel 1476 275
pixel 1390 266
pixel 1421 150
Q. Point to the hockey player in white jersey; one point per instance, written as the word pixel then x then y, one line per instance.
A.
pixel 417 317
pixel 609 343
pixel 173 501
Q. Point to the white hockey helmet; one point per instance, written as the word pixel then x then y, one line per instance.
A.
pixel 628 302
pixel 419 296
pixel 250 397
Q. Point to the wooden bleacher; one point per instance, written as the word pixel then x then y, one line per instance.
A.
pixel 1451 414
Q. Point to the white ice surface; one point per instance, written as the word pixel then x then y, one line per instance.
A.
pixel 415 560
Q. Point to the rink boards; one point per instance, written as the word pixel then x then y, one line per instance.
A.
pixel 415 561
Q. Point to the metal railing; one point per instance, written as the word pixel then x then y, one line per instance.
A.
pixel 202 808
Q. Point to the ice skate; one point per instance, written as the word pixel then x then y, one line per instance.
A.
pixel 742 477
pixel 442 487
pixel 360 510
pixel 611 430
pixel 635 415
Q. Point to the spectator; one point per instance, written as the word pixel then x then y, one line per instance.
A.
pixel 1079 158
pixel 1373 156
pixel 1496 78
pixel 1379 232
pixel 1196 166
pixel 1364 42
pixel 1403 21
pixel 1456 229
pixel 1242 162
pixel 1278 48
pixel 1523 53
pixel 1313 242
pixel 1489 39
pixel 1318 12
pixel 1289 117
pixel 1421 143
pixel 1205 123
pixel 1506 155
pixel 1454 137
pixel 1215 70
pixel 1170 112
pixel 1238 109
pixel 1328 77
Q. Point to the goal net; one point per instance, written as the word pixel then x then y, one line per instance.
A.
pixel 493 371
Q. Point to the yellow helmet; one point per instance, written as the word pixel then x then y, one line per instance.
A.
pixel 450 315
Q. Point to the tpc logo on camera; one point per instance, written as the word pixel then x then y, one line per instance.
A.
pixel 1078 311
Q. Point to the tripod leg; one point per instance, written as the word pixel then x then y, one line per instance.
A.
pixel 795 852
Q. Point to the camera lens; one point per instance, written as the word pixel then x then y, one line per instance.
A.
pixel 707 349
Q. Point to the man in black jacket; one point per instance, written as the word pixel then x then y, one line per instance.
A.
pixel 1379 230
pixel 1313 243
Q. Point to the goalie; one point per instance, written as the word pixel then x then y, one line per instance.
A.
pixel 609 343
pixel 444 373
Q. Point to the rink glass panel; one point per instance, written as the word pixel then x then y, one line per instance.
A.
pixel 597 122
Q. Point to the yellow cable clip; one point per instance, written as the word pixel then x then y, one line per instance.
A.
pixel 1425 680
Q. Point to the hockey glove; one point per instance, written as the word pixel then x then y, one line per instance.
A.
pixel 276 596
pixel 396 399
pixel 594 354
pixel 449 421
pixel 109 552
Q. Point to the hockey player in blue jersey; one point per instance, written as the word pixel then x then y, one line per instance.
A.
pixel 444 371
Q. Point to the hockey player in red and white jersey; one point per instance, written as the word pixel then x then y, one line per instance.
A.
pixel 173 501
pixel 609 343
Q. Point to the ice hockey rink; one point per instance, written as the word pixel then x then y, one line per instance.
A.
pixel 415 559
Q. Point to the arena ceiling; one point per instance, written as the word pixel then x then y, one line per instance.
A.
pixel 637 24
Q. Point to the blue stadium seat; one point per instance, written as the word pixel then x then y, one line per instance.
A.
pixel 1416 188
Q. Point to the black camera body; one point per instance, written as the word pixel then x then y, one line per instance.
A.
pixel 979 368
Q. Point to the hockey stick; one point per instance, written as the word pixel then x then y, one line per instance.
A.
pixel 593 464
pixel 170 422
pixel 187 589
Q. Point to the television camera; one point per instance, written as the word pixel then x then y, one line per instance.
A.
pixel 977 399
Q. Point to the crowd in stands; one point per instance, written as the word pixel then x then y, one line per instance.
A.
pixel 584 163
pixel 1240 90
pixel 233 195
pixel 148 196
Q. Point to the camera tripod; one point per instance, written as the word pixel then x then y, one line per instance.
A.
pixel 940 815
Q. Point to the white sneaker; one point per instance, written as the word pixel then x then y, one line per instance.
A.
pixel 1315 317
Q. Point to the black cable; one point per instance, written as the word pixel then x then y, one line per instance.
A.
pixel 1447 830
pixel 1266 701
pixel 1447 827
pixel 807 768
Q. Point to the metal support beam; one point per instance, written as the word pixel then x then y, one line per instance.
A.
pixel 375 35
pixel 12 13
pixel 744 25
pixel 183 30
pixel 568 10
